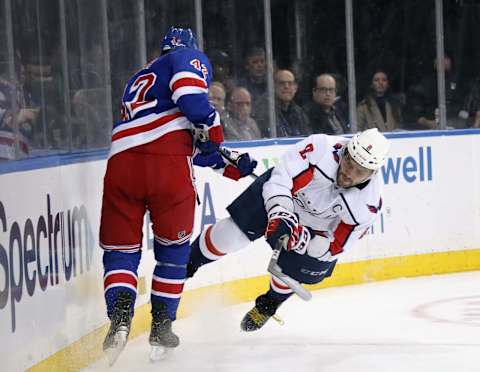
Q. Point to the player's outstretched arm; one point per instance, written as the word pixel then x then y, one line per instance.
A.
pixel 229 163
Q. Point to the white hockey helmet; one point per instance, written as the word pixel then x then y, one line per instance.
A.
pixel 369 148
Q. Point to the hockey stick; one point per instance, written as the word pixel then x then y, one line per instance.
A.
pixel 228 155
pixel 276 271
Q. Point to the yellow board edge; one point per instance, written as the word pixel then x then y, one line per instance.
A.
pixel 88 349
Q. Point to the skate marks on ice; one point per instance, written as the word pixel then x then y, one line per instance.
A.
pixel 392 325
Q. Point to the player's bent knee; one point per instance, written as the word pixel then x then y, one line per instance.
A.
pixel 227 236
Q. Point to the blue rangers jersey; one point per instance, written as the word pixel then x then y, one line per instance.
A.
pixel 167 96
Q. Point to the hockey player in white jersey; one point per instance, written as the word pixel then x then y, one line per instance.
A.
pixel 316 203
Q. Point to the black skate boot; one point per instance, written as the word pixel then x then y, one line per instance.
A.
pixel 191 269
pixel 197 259
pixel 120 323
pixel 265 308
pixel 161 336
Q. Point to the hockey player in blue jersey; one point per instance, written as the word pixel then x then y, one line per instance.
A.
pixel 150 168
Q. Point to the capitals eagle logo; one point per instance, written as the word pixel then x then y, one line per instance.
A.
pixel 375 209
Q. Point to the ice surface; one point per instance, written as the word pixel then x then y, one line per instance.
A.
pixel 426 324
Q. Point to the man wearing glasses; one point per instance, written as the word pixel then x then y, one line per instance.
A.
pixel 291 120
pixel 323 115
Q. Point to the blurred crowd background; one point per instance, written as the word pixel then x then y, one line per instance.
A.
pixel 282 68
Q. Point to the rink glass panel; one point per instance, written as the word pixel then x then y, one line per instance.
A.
pixel 89 72
pixel 38 75
pixel 400 38
pixel 462 42
pixel 8 124
pixel 397 38
pixel 310 37
pixel 72 58
pixel 160 15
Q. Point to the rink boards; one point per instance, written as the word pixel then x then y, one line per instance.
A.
pixel 52 313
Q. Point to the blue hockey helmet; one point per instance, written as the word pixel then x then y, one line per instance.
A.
pixel 179 37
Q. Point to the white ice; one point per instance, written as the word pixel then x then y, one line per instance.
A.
pixel 425 324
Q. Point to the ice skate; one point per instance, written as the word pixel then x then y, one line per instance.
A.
pixel 162 339
pixel 121 320
pixel 265 308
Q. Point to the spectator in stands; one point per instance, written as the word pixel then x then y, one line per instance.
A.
pixel 422 101
pixel 472 105
pixel 379 109
pixel 221 65
pixel 89 129
pixel 216 97
pixel 240 125
pixel 27 110
pixel 14 120
pixel 43 85
pixel 255 79
pixel 321 110
pixel 291 120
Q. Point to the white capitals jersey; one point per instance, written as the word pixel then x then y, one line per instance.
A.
pixel 307 173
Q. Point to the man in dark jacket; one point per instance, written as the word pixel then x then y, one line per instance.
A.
pixel 291 120
pixel 321 111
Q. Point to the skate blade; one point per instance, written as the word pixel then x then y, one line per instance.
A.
pixel 114 352
pixel 158 353
pixel 278 319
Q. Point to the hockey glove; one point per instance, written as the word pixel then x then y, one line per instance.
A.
pixel 209 135
pixel 246 165
pixel 304 237
pixel 282 228
pixel 241 165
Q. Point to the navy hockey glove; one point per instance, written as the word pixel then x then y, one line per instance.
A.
pixel 241 165
pixel 246 165
pixel 282 228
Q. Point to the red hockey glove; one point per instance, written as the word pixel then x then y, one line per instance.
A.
pixel 304 237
